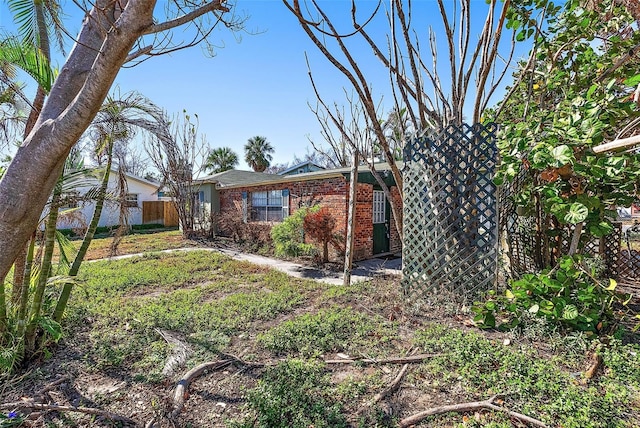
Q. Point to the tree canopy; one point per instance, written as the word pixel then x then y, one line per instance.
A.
pixel 258 153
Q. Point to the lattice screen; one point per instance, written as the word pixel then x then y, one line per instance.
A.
pixel 450 221
pixel 531 249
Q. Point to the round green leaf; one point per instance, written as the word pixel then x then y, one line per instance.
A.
pixel 570 312
pixel 577 213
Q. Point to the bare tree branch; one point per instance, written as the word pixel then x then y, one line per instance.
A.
pixel 189 17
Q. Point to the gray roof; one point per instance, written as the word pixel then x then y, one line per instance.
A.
pixel 239 178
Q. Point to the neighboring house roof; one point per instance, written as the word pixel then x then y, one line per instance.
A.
pixel 310 165
pixel 237 178
pixel 95 176
pixel 139 179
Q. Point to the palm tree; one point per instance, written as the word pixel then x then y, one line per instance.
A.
pixel 220 159
pixel 258 153
pixel 116 123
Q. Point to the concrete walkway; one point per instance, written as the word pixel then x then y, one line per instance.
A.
pixel 362 270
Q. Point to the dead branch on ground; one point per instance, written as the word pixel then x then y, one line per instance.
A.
pixel 393 360
pixel 469 407
pixel 31 404
pixel 51 386
pixel 392 387
pixel 596 363
pixel 182 389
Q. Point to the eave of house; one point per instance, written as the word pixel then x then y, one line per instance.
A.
pixel 252 180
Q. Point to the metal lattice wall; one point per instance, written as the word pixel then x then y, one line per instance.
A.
pixel 450 218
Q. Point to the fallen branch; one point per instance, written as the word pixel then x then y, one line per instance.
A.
pixel 30 404
pixel 392 387
pixel 51 386
pixel 596 362
pixel 182 388
pixel 393 360
pixel 469 407
pixel 178 355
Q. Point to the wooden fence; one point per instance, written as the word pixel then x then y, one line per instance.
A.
pixel 161 212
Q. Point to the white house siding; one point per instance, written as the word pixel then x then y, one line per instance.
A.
pixel 145 191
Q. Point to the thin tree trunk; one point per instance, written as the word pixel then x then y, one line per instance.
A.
pixel 18 276
pixel 45 267
pixel 351 223
pixel 26 283
pixel 3 311
pixel 88 237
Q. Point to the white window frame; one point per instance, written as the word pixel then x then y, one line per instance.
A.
pixel 379 207
pixel 129 202
pixel 269 205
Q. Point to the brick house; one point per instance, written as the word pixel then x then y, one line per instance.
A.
pixel 266 199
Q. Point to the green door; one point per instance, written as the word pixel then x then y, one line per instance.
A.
pixel 381 217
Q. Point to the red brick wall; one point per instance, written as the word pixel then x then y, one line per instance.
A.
pixel 363 241
pixel 332 193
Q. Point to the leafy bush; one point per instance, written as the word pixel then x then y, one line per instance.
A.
pixel 288 236
pixel 570 295
pixel 319 225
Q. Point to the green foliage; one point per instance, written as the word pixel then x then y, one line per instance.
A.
pixel 328 330
pixel 294 394
pixel 30 59
pixel 576 94
pixel 258 153
pixel 220 160
pixel 535 386
pixel 11 419
pixel 205 297
pixel 109 230
pixel 570 295
pixel 288 236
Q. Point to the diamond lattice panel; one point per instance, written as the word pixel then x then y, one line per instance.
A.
pixel 451 211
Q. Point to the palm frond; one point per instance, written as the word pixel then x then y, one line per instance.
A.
pixel 54 23
pixel 66 250
pixel 30 59
pixel 24 15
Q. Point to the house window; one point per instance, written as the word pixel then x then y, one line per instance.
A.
pixel 272 205
pixel 131 200
pixel 379 207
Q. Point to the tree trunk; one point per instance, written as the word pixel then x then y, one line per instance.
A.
pixel 3 311
pixel 18 276
pixel 351 217
pixel 26 283
pixel 76 96
pixel 45 267
pixel 88 237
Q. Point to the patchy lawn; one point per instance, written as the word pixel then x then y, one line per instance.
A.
pixel 136 326
pixel 138 242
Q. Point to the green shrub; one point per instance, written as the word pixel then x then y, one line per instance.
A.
pixel 569 295
pixel 294 394
pixel 288 236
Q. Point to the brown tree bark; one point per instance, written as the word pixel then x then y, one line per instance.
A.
pixel 107 36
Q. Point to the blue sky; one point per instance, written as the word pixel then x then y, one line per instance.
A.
pixel 257 84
